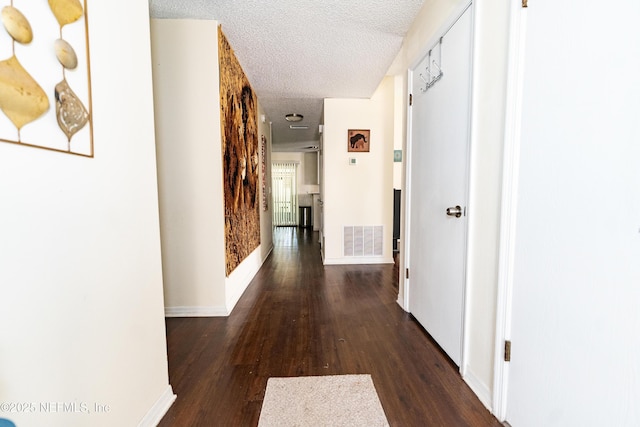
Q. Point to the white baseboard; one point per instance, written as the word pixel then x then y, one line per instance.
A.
pixel 159 409
pixel 479 388
pixel 357 260
pixel 235 285
pixel 239 279
pixel 400 302
pixel 198 311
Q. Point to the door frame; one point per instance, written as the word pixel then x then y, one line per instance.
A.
pixel 508 214
pixel 448 24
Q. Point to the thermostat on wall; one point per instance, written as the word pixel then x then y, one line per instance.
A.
pixel 353 161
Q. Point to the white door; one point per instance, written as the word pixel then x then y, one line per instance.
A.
pixel 439 158
pixel 575 358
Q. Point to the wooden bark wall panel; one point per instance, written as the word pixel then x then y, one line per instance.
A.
pixel 238 109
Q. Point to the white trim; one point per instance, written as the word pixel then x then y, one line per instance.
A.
pixel 240 278
pixel 469 244
pixel 196 311
pixel 471 155
pixel 405 235
pixel 478 387
pixel 508 215
pixel 245 270
pixel 358 260
pixel 159 409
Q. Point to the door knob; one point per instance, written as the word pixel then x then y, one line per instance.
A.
pixel 455 211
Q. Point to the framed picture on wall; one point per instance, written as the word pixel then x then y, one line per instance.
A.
pixel 45 78
pixel 358 140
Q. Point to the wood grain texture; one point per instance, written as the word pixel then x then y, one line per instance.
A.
pixel 298 318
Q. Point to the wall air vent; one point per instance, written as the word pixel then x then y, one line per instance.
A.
pixel 363 241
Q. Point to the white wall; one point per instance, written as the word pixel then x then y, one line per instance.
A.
pixel 425 27
pixel 187 105
pixel 310 161
pixel 360 194
pixel 81 312
pixel 491 35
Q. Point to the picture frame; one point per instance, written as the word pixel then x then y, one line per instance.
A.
pixel 45 82
pixel 358 140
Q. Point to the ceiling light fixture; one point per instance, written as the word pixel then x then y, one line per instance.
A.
pixel 293 117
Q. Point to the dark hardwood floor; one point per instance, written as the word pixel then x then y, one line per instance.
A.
pixel 299 317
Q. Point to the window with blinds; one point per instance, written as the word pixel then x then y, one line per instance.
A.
pixel 285 193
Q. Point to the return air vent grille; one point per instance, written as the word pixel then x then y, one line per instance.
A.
pixel 363 241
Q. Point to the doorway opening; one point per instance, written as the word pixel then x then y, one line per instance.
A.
pixel 285 193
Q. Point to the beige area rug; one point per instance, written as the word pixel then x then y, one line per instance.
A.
pixel 334 400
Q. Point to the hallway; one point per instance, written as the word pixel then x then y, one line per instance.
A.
pixel 301 318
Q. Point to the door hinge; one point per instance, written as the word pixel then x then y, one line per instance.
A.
pixel 507 351
pixel 524 3
pixel 407 273
pixel 410 99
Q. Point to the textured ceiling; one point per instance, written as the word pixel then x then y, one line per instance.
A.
pixel 296 53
